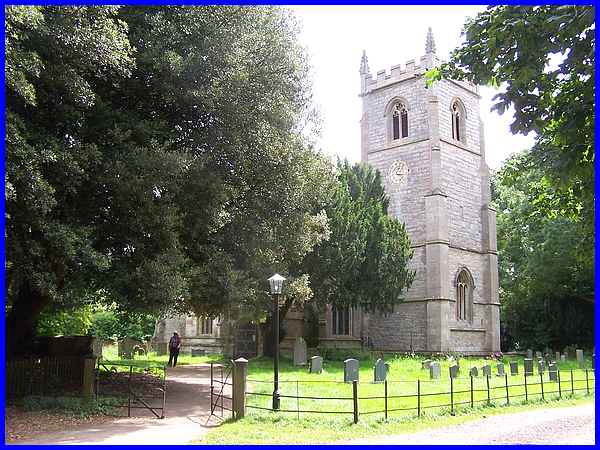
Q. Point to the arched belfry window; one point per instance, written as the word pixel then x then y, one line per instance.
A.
pixel 464 295
pixel 396 114
pixel 399 121
pixel 457 111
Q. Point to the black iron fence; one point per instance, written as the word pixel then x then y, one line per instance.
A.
pixel 132 387
pixel 426 394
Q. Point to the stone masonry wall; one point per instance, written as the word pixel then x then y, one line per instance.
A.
pixel 393 331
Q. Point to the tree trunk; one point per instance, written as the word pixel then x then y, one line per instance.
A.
pixel 22 320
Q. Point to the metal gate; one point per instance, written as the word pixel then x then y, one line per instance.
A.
pixel 220 390
pixel 132 388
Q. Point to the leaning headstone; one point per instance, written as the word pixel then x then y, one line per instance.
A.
pixel 453 371
pixel 553 372
pixel 486 370
pixel 350 370
pixel 380 371
pixel 425 364
pixel 125 347
pixel 541 366
pixel 530 354
pixel 434 370
pixel 473 372
pixel 563 358
pixel 316 364
pixel 580 359
pixel 300 352
pixel 528 366
pixel 501 369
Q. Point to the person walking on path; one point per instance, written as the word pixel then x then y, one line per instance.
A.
pixel 174 344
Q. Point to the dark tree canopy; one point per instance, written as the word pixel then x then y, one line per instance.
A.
pixel 365 260
pixel 547 288
pixel 157 153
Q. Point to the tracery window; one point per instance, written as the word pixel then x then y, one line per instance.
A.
pixel 205 325
pixel 340 321
pixel 399 121
pixel 464 296
pixel 458 121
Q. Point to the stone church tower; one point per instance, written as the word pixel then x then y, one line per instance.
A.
pixel 428 145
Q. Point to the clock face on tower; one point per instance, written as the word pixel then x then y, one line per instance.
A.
pixel 398 173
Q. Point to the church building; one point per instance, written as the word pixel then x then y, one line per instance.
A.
pixel 428 144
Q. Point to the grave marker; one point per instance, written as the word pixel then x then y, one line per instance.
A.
pixel 454 371
pixel 580 359
pixel 553 372
pixel 300 352
pixel 514 368
pixel 434 370
pixel 380 371
pixel 501 369
pixel 473 372
pixel 486 370
pixel 350 370
pixel 528 366
pixel 316 364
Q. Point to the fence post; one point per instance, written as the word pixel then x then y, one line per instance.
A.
pixel 164 399
pixel 471 391
pixel 240 372
pixel 587 383
pixel 487 382
pixel 506 384
pixel 87 385
pixel 526 397
pixel 355 399
pixel 542 384
pixel 298 398
pixel 223 390
pixel 385 394
pixel 572 387
pixel 419 398
pixel 129 392
pixel 212 386
pixel 451 396
pixel 559 389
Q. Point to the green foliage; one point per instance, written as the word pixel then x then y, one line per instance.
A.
pixel 542 58
pixel 110 324
pixel 74 322
pixel 365 260
pixel 161 154
pixel 547 287
pixel 75 406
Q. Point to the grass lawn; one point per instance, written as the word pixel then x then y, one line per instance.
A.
pixel 109 353
pixel 336 396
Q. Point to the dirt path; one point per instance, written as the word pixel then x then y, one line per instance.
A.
pixel 186 412
pixel 570 425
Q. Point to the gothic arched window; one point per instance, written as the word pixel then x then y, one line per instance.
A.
pixel 340 319
pixel 464 296
pixel 205 325
pixel 457 112
pixel 399 121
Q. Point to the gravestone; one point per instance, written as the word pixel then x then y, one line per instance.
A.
pixel 434 370
pixel 316 364
pixel 557 356
pixel 425 364
pixel 528 366
pixel 300 352
pixel 553 372
pixel 563 358
pixel 473 372
pixel 126 346
pixel 486 370
pixel 380 371
pixel 538 355
pixel 453 371
pixel 501 369
pixel 580 360
pixel 541 366
pixel 514 368
pixel 530 354
pixel 350 370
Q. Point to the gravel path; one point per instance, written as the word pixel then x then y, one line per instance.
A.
pixel 569 425
pixel 186 410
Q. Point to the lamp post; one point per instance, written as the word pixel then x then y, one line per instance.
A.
pixel 276 283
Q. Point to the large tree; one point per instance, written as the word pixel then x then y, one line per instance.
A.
pixel 541 58
pixel 364 262
pixel 159 154
pixel 547 288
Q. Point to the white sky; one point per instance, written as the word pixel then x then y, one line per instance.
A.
pixel 335 37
